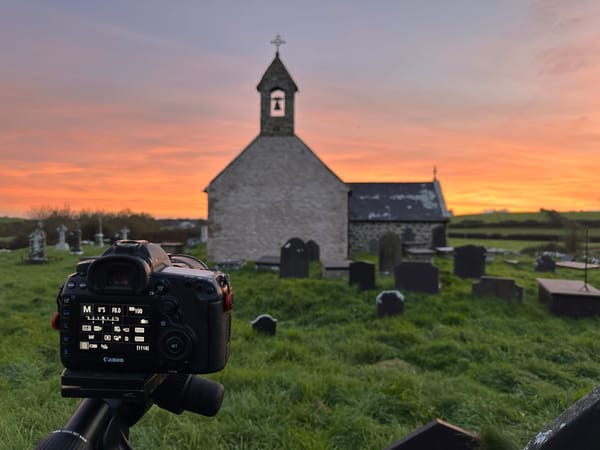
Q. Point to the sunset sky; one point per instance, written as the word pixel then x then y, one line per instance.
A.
pixel 109 105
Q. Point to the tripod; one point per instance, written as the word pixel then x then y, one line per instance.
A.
pixel 115 402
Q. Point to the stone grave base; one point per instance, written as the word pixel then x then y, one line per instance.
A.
pixel 569 297
pixel 268 263
pixel 336 269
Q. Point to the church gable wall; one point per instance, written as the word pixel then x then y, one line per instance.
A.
pixel 275 190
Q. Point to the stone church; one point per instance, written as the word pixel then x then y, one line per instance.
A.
pixel 277 189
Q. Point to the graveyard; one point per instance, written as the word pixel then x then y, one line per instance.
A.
pixel 334 373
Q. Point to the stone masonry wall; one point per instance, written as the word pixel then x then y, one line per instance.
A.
pixel 364 236
pixel 275 190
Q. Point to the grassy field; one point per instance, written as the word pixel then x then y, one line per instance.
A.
pixel 539 216
pixel 335 376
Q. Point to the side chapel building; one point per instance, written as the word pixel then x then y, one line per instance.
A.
pixel 277 188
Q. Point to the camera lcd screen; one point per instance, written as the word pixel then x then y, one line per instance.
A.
pixel 115 328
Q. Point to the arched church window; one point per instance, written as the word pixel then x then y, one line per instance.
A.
pixel 277 103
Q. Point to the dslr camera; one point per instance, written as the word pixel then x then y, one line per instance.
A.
pixel 136 309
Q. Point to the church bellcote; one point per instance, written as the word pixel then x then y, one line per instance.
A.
pixel 277 90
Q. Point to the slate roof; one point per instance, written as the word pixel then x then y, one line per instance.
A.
pixel 397 202
pixel 278 145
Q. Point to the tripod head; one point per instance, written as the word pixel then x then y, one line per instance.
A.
pixel 114 402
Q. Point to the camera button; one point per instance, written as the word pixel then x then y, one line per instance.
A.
pixel 174 345
pixel 169 306
pixel 71 284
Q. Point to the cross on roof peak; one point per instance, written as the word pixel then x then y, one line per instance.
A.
pixel 277 42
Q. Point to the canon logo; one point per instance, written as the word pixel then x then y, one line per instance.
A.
pixel 114 360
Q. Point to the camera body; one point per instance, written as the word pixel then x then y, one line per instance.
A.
pixel 135 309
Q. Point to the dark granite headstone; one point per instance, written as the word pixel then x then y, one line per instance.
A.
pixel 390 303
pixel 265 324
pixel 314 251
pixel 438 435
pixel 504 288
pixel 469 261
pixel 575 429
pixel 417 276
pixel 294 259
pixel 544 263
pixel 390 252
pixel 363 274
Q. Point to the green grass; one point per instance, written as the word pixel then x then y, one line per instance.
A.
pixel 540 216
pixel 335 375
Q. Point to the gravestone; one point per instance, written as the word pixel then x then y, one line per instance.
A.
pixel 37 245
pixel 390 252
pixel 363 274
pixel 314 251
pixel 504 288
pixel 469 261
pixel 438 435
pixel 544 263
pixel 265 324
pixel 125 233
pixel 390 303
pixel 417 276
pixel 61 244
pixel 293 259
pixel 99 236
pixel 75 241
pixel 574 429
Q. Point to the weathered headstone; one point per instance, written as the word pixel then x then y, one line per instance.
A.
pixel 75 241
pixel 438 435
pixel 125 233
pixel 294 259
pixel 99 236
pixel 61 244
pixel 314 251
pixel 390 252
pixel 417 276
pixel 504 288
pixel 265 324
pixel 37 245
pixel 469 261
pixel 544 263
pixel 575 429
pixel 363 274
pixel 389 303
